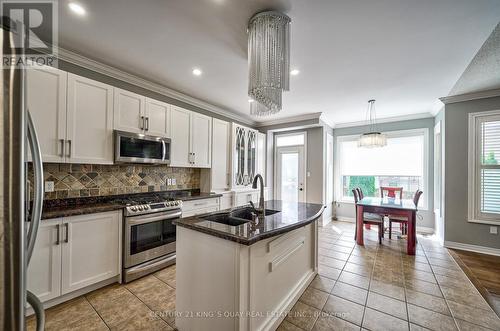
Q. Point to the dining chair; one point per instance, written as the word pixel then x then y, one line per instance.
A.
pixel 401 219
pixel 391 192
pixel 368 218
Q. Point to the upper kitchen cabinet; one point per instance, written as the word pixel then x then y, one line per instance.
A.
pixel 244 155
pixel 157 118
pixel 138 114
pixel 191 135
pixel 129 111
pixel 89 128
pixel 221 168
pixel 46 101
pixel 201 138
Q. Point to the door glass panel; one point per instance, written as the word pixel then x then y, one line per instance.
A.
pixel 240 156
pixel 251 152
pixel 150 235
pixel 133 147
pixel 290 177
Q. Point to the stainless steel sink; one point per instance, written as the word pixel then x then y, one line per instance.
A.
pixel 236 217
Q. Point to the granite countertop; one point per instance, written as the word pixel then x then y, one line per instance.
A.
pixel 90 205
pixel 291 216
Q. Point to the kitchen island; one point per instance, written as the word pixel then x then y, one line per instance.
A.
pixel 234 273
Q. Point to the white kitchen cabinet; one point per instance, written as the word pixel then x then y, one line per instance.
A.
pixel 245 196
pixel 220 172
pixel 44 270
pixel 181 137
pixel 129 111
pixel 74 252
pixel 200 206
pixel 226 200
pixel 244 156
pixel 46 101
pixel 89 125
pixel 157 118
pixel 201 134
pixel 90 250
pixel 191 135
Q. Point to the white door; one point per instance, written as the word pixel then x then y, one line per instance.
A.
pixel 46 101
pixel 129 111
pixel 91 250
pixel 157 118
pixel 220 154
pixel 44 270
pixel 290 174
pixel 180 136
pixel 89 121
pixel 201 133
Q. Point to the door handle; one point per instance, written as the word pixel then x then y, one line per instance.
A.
pixel 147 123
pixel 69 148
pixel 141 123
pixel 301 189
pixel 66 225
pixel 62 147
pixel 58 229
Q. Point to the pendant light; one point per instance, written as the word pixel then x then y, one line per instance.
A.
pixel 372 138
pixel 268 61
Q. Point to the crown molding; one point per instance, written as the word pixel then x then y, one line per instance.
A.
pixel 292 119
pixel 85 62
pixel 470 96
pixel 385 120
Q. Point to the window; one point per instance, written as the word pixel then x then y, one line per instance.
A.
pixel 402 163
pixel 294 139
pixel 484 167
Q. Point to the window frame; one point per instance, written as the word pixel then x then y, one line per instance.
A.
pixel 390 134
pixel 474 168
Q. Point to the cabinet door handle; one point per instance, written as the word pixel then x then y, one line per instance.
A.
pixel 66 225
pixel 147 123
pixel 62 147
pixel 69 148
pixel 58 229
pixel 141 123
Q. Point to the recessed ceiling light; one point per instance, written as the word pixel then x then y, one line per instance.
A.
pixel 250 100
pixel 295 72
pixel 77 9
pixel 197 72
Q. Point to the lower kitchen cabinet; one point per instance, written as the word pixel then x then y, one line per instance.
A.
pixel 198 207
pixel 74 252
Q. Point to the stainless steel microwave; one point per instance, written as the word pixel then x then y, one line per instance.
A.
pixel 141 148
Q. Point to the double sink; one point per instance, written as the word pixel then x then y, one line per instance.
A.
pixel 237 216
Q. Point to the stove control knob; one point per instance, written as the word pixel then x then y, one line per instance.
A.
pixel 133 208
pixel 146 207
pixel 169 204
pixel 177 203
pixel 140 208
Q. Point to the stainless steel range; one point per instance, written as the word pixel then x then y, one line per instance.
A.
pixel 149 235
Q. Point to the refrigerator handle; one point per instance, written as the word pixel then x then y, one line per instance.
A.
pixel 38 309
pixel 37 187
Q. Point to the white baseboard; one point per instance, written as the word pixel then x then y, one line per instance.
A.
pixel 425 229
pixel 472 248
pixel 346 219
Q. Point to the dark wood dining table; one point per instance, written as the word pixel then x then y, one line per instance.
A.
pixel 388 206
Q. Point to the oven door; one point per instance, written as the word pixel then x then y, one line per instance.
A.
pixel 149 236
pixel 140 148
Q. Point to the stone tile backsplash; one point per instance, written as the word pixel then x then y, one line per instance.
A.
pixel 84 180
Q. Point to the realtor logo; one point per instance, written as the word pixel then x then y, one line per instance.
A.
pixel 33 25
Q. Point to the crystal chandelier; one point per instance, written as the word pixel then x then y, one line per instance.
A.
pixel 373 138
pixel 268 61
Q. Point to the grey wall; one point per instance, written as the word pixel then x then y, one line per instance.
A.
pixel 69 67
pixel 457 229
pixel 346 210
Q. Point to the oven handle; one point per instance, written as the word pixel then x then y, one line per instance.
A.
pixel 163 150
pixel 141 219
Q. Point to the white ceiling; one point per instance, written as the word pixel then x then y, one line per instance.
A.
pixel 404 53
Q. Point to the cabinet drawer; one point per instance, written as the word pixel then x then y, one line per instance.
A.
pixel 188 206
pixel 200 211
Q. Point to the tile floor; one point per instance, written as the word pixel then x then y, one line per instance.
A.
pixel 372 287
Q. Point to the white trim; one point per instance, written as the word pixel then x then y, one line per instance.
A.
pixel 470 96
pixel 385 120
pixel 472 248
pixel 346 219
pixel 291 119
pixel 113 72
pixel 474 214
pixel 425 229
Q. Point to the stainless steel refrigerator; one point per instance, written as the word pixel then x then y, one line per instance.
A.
pixel 19 218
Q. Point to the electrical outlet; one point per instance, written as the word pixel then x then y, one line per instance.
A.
pixel 49 186
pixel 174 181
pixel 493 230
pixel 169 181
